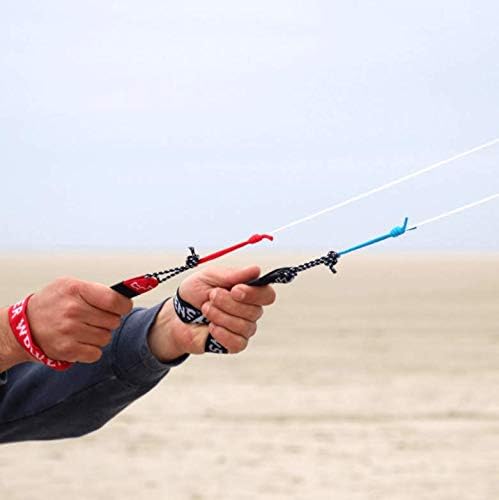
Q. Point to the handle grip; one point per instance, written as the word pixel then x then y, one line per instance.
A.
pixel 141 284
pixel 275 276
pixel 134 287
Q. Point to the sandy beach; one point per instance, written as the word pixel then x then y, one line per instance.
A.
pixel 381 382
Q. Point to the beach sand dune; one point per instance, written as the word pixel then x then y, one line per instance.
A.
pixel 381 382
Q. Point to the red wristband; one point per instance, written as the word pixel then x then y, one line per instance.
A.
pixel 19 324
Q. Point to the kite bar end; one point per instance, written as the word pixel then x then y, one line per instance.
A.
pixel 136 286
pixel 256 238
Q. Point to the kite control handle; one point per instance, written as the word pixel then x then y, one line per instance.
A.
pixel 280 275
pixel 136 286
pixel 141 284
pixel 186 312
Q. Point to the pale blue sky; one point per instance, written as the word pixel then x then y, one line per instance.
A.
pixel 158 124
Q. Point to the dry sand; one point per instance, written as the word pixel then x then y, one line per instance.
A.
pixel 379 383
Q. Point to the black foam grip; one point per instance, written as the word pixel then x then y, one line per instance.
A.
pixel 280 275
pixel 124 290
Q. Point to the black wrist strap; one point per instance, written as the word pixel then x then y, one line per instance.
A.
pixel 189 314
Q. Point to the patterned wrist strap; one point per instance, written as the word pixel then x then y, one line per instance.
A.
pixel 192 315
pixel 19 325
pixel 187 312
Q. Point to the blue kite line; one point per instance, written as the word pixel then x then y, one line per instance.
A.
pixel 394 233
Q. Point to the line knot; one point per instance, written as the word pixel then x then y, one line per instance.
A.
pixel 193 259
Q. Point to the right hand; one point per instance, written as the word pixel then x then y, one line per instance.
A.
pixel 232 308
pixel 72 320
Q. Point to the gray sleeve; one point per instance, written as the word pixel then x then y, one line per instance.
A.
pixel 37 403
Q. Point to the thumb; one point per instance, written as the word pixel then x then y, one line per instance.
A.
pixel 228 277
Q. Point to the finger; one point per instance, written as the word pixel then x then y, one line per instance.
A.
pixel 90 315
pixel 236 325
pixel 104 321
pixel 102 297
pixel 259 296
pixel 232 342
pixel 98 337
pixel 86 354
pixel 224 301
pixel 228 277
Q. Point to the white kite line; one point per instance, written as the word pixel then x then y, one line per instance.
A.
pixel 455 211
pixel 388 185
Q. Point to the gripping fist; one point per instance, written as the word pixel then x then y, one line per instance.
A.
pixel 232 308
pixel 72 320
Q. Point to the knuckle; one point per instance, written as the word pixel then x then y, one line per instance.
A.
pixel 90 355
pixel 232 342
pixel 114 323
pixel 251 330
pixel 241 326
pixel 112 301
pixel 221 297
pixel 214 314
pixel 124 305
pixel 238 344
pixel 71 285
pixel 106 338
pixel 67 326
pixel 257 314
pixel 65 351
pixel 94 355
pixel 128 306
pixel 63 281
pixel 72 309
pixel 120 305
pixel 272 296
pixel 223 336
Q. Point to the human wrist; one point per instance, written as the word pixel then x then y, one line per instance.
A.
pixel 161 338
pixel 11 353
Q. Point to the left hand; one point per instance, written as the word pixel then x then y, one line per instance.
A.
pixel 232 308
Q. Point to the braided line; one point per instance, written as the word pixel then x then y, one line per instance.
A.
pixel 329 260
pixel 190 263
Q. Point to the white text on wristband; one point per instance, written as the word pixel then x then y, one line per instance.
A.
pixel 19 324
pixel 192 315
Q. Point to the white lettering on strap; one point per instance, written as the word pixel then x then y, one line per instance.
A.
pixel 19 325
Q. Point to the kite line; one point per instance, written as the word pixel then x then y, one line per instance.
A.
pixel 455 211
pixel 386 186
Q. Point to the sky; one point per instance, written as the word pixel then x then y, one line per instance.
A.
pixel 151 125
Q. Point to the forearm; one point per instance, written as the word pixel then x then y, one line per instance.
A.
pixel 39 403
pixel 11 353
